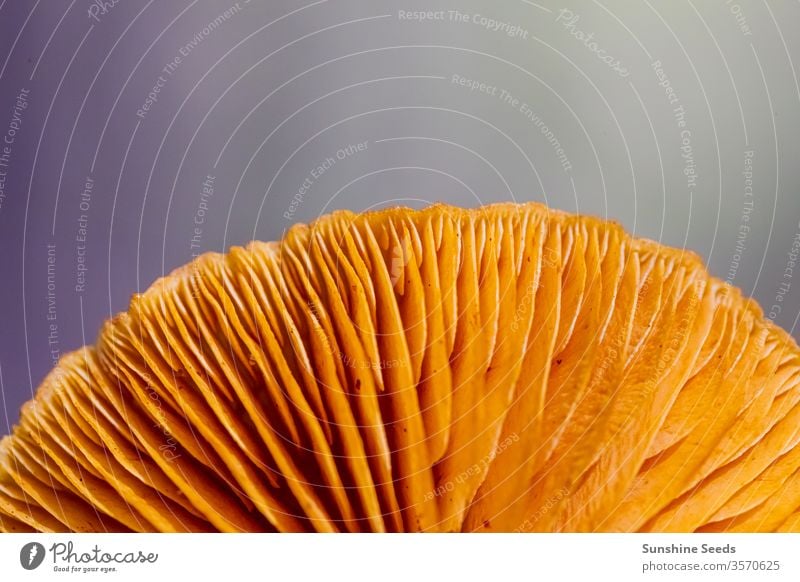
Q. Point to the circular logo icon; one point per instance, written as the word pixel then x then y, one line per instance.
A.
pixel 31 555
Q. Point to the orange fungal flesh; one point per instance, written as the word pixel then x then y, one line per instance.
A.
pixel 509 368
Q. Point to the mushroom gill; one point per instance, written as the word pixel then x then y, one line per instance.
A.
pixel 508 368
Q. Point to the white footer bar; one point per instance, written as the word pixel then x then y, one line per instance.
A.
pixel 406 557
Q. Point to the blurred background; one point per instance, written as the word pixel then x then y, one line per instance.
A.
pixel 135 134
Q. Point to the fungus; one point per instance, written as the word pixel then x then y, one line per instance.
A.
pixel 509 368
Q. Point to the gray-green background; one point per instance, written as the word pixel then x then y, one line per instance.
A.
pixel 574 112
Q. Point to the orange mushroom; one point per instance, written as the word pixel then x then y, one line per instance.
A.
pixel 508 368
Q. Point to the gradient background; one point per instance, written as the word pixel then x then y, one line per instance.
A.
pixel 278 87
